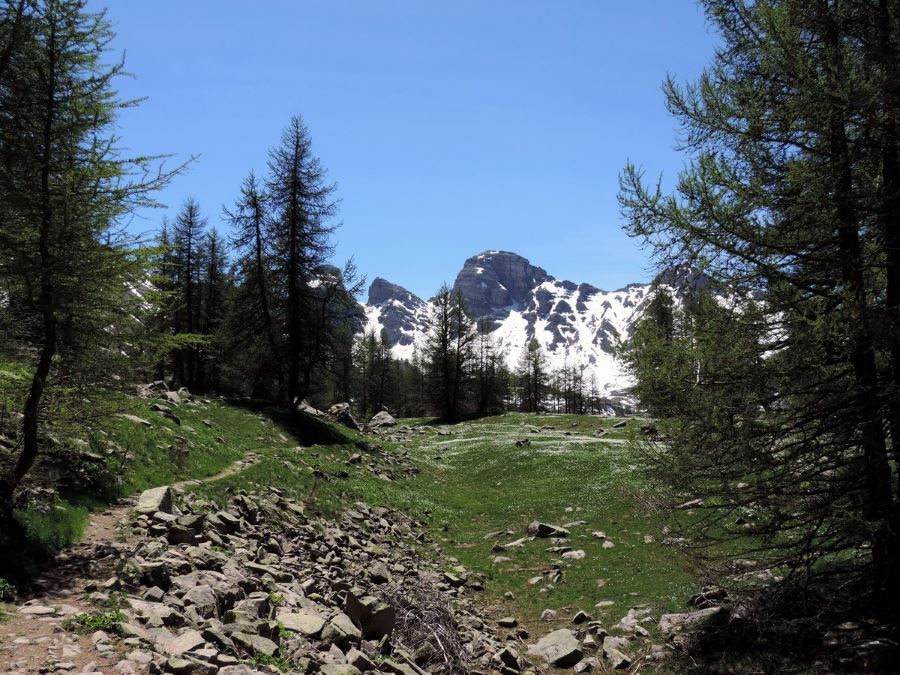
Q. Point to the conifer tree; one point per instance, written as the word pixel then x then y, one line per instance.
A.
pixel 252 314
pixel 64 186
pixel 302 204
pixel 449 345
pixel 188 234
pixel 790 193
pixel 532 376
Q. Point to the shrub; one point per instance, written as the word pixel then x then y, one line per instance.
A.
pixel 82 624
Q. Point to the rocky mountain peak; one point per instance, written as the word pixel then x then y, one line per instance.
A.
pixel 494 281
pixel 381 291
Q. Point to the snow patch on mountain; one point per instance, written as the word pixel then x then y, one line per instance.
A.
pixel 576 325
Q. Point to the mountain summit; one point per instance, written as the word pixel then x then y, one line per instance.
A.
pixel 493 281
pixel 577 325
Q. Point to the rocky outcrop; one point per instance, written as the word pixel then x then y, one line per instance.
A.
pixel 393 309
pixel 496 280
pixel 340 413
pixel 382 291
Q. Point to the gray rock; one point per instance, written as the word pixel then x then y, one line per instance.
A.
pixel 185 642
pixel 305 407
pixel 509 658
pixel 670 624
pixel 204 600
pixel 497 279
pixel 306 622
pixel 183 666
pixel 339 669
pixel 359 660
pixel 340 412
pixel 613 651
pixel 255 644
pixel 382 419
pixel 375 618
pixel 559 648
pixel 341 631
pixel 379 573
pixel 239 669
pixel 155 499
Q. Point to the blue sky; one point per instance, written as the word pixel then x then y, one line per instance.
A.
pixel 450 127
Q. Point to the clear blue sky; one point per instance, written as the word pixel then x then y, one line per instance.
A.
pixel 450 127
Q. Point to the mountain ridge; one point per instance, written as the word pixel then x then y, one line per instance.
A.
pixel 576 324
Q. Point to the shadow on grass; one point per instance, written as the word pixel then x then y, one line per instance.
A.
pixel 306 429
pixel 468 417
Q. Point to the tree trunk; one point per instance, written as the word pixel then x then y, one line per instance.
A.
pixel 264 301
pixel 293 309
pixel 877 472
pixel 46 300
pixel 889 220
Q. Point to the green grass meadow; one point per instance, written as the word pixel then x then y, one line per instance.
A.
pixel 472 480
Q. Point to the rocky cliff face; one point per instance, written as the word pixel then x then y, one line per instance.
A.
pixel 495 281
pixel 394 309
pixel 577 325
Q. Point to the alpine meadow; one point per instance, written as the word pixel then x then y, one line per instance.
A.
pixel 225 451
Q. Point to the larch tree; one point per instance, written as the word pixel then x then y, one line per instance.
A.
pixel 64 190
pixel 188 235
pixel 254 312
pixel 790 194
pixel 302 205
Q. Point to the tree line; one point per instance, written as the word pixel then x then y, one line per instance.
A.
pixel 255 309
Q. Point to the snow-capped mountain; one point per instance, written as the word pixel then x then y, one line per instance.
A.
pixel 575 324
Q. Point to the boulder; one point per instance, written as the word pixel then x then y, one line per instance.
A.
pixel 155 499
pixel 185 642
pixel 305 407
pixel 339 669
pixel 340 413
pixel 612 650
pixel 340 631
pixel 306 622
pixel 255 644
pixel 382 419
pixel 239 669
pixel 150 389
pixel 172 397
pixel 543 530
pixel 181 666
pixel 375 618
pixel 674 623
pixel 559 648
pixel 204 600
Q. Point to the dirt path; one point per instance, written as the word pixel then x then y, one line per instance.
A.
pixel 31 639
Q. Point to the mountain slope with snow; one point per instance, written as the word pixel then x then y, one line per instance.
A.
pixel 575 324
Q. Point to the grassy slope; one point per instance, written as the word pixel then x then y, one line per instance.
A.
pixel 476 481
pixel 150 456
pixel 473 481
pixel 480 482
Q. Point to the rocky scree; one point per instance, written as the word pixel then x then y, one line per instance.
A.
pixel 260 584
